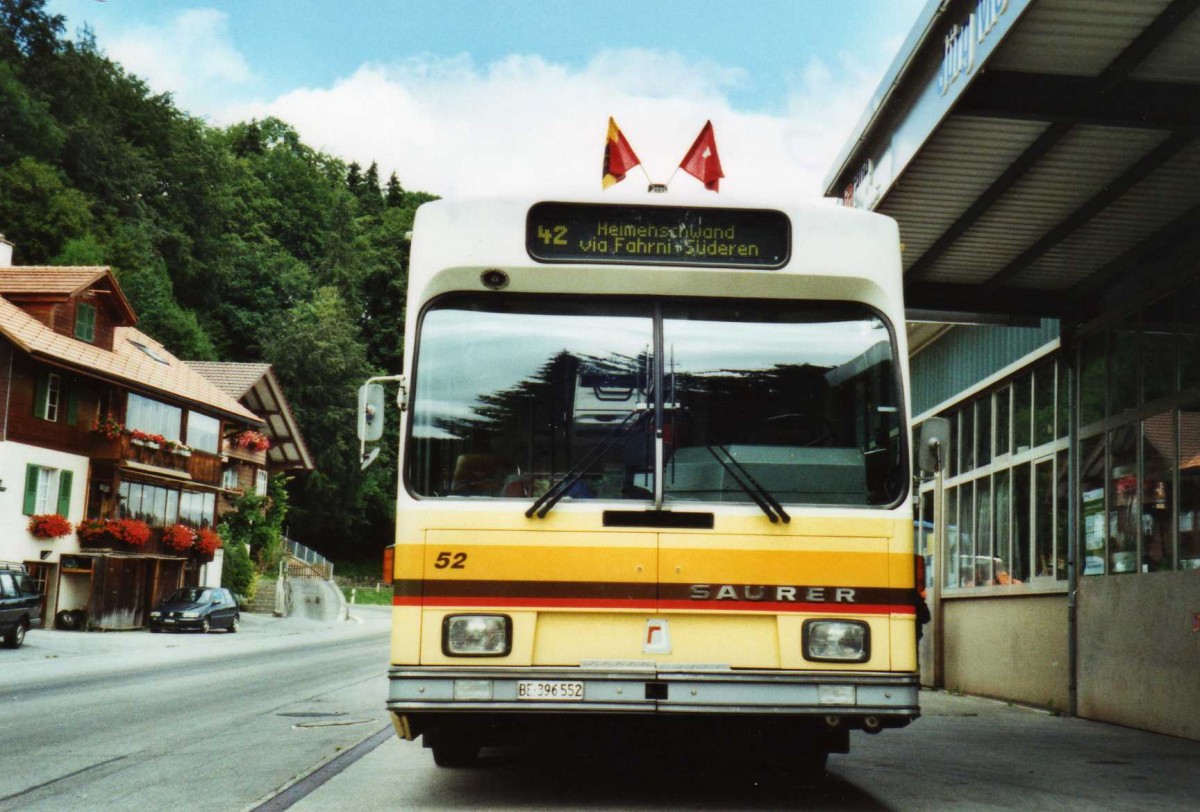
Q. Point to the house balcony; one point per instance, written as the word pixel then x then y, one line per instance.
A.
pixel 154 546
pixel 236 452
pixel 197 466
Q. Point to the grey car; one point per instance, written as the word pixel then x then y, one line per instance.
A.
pixel 198 608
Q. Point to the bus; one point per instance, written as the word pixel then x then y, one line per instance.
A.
pixel 654 475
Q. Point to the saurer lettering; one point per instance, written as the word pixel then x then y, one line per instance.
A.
pixel 778 594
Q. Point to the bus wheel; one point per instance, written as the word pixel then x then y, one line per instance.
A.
pixel 455 753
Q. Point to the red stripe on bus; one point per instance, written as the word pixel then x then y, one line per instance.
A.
pixel 703 606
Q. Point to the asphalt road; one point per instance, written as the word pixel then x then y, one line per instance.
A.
pixel 185 721
pixel 965 753
pixel 288 714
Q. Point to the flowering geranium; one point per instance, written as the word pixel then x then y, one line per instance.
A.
pixel 130 531
pixel 179 537
pixel 49 525
pixel 207 542
pixel 146 437
pixel 252 440
pixel 92 529
pixel 109 427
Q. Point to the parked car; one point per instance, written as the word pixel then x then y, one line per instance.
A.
pixel 20 604
pixel 198 608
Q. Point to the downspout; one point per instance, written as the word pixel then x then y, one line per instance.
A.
pixel 1073 546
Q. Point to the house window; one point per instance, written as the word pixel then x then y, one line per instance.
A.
pixel 47 490
pixel 85 322
pixel 196 508
pixel 260 482
pixel 150 351
pixel 48 397
pixel 203 432
pixel 229 478
pixel 153 417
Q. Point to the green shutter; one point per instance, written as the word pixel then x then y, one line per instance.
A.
pixel 72 401
pixel 31 482
pixel 41 394
pixel 64 492
pixel 85 322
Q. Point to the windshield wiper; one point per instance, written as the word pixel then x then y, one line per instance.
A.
pixel 559 488
pixel 761 496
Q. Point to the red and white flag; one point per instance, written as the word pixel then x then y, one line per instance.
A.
pixel 702 161
pixel 619 157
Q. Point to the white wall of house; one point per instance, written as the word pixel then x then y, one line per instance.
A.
pixel 16 543
pixel 210 574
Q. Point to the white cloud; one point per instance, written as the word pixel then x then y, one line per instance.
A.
pixel 523 124
pixel 192 56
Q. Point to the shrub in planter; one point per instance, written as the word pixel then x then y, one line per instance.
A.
pixel 49 525
pixel 179 537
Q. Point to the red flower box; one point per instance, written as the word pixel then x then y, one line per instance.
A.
pixel 179 537
pixel 207 542
pixel 49 525
pixel 130 531
pixel 252 440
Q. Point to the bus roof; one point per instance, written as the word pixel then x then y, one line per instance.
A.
pixel 842 253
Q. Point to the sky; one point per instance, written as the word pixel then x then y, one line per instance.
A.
pixel 486 97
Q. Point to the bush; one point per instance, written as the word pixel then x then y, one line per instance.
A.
pixel 237 572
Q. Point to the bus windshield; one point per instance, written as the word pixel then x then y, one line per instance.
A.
pixel 510 394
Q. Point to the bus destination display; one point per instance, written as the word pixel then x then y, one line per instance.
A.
pixel 658 235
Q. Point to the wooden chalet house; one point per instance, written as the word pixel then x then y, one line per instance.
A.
pixel 100 421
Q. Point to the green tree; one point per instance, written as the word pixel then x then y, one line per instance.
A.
pixel 394 194
pixel 237 571
pixel 39 210
pixel 320 360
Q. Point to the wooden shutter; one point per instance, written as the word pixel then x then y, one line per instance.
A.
pixel 72 386
pixel 85 322
pixel 31 483
pixel 64 492
pixel 41 394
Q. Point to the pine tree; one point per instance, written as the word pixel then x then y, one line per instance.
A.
pixel 354 178
pixel 394 196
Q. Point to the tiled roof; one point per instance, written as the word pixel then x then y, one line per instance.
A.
pixel 256 386
pixel 232 378
pixel 49 279
pixel 126 363
pixel 61 280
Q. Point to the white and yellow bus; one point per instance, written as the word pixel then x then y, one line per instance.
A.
pixel 654 470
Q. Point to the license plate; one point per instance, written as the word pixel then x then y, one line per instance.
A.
pixel 554 691
pixel 168 620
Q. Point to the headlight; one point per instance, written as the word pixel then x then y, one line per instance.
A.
pixel 189 614
pixel 476 635
pixel 156 614
pixel 841 641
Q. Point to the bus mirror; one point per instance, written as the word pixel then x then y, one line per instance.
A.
pixel 370 412
pixel 934 445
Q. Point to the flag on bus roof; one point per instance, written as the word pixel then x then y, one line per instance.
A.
pixel 702 161
pixel 619 157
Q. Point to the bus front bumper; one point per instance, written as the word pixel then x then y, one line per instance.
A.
pixel 862 699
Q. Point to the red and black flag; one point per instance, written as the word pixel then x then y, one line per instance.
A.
pixel 702 161
pixel 619 157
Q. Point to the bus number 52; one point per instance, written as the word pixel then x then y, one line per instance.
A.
pixel 455 561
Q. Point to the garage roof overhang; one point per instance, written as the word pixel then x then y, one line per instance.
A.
pixel 1040 156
